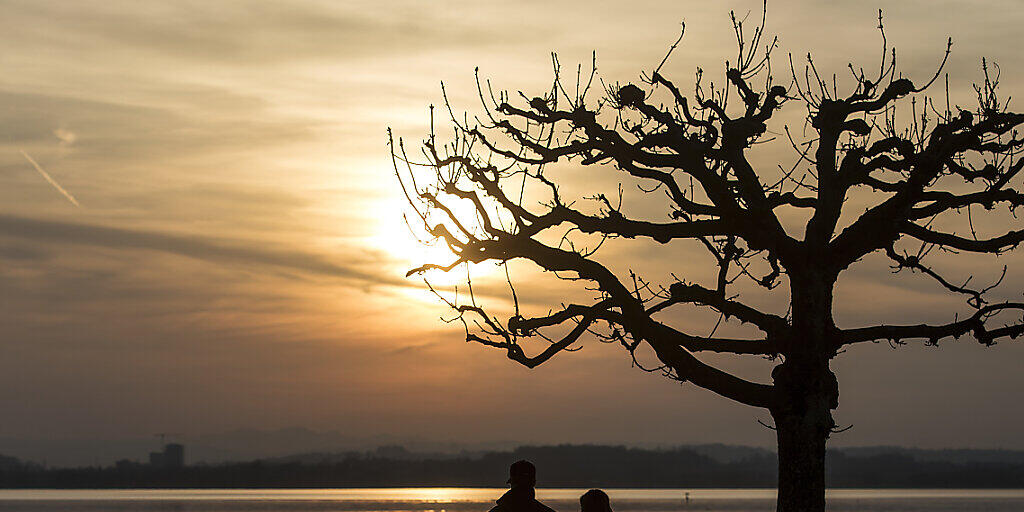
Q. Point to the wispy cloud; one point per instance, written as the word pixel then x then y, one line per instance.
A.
pixel 50 179
pixel 220 250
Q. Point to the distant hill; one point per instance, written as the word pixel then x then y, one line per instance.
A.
pixel 962 455
pixel 558 466
pixel 232 446
pixel 8 463
pixel 300 444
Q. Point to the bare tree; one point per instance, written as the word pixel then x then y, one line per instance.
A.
pixel 946 162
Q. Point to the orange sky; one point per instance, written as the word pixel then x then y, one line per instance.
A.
pixel 237 255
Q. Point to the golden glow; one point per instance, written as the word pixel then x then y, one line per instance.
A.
pixel 407 245
pixel 240 251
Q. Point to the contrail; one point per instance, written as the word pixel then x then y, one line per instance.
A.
pixel 49 179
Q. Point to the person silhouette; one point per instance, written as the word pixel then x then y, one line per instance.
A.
pixel 595 500
pixel 522 477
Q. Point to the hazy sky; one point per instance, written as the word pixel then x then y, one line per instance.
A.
pixel 237 255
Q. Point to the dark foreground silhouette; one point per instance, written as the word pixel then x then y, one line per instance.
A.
pixel 562 466
pixel 522 477
pixel 877 172
pixel 595 500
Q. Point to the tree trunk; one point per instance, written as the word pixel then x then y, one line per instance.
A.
pixel 801 465
pixel 803 422
pixel 806 392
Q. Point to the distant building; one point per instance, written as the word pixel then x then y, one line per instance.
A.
pixel 173 456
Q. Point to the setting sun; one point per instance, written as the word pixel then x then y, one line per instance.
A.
pixel 430 255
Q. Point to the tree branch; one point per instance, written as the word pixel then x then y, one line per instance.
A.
pixel 975 325
pixel 993 245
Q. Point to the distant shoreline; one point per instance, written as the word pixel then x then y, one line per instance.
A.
pixel 564 466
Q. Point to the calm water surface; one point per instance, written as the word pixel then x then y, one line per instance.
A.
pixel 480 500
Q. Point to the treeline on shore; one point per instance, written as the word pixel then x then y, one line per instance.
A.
pixel 581 466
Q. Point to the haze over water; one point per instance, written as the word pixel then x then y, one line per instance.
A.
pixel 472 500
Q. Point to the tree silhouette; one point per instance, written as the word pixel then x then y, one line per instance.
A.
pixel 911 179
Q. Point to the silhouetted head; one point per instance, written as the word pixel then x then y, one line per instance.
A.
pixel 522 473
pixel 595 500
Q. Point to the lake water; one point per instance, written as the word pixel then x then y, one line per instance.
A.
pixel 480 500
